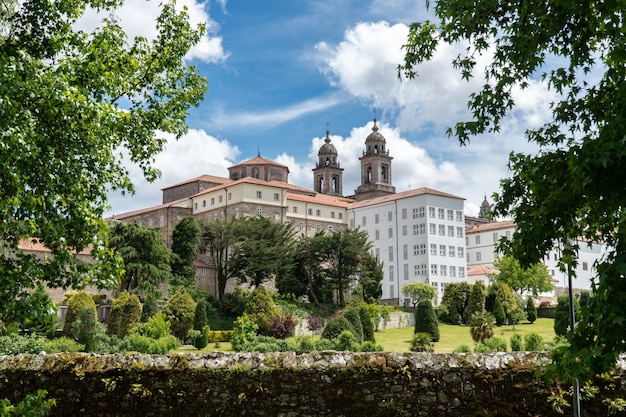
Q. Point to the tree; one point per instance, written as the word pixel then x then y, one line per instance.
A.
pixel 371 277
pixel 531 310
pixel 476 302
pixel 76 304
pixel 426 319
pixel 65 124
pixel 146 259
pixel 498 311
pixel 572 187
pixel 125 314
pixel 498 289
pixel 264 250
pixel 218 236
pixel 261 309
pixel 346 250
pixel 419 291
pixel 41 314
pixel 185 240
pixel 481 326
pixel 561 315
pixel 180 311
pixel 456 298
pixel 534 278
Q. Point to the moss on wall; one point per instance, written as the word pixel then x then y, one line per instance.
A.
pixel 291 384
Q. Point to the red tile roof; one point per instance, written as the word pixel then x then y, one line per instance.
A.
pixel 204 178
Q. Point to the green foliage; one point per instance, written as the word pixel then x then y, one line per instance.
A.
pixel 305 344
pixel 534 278
pixel 244 332
pixel 33 405
pixel 185 240
pixel 370 278
pixel 125 314
pixel 533 342
pixel 561 315
pixel 180 311
pixel 13 344
pixel 517 343
pixel 462 349
pixel 354 318
pixel 426 319
pixel 367 316
pixel 261 309
pixel 418 291
pixel 507 297
pixel 41 314
pixel 149 307
pixel 481 326
pixel 334 327
pixel 75 306
pixel 62 344
pixel 476 302
pixel 202 339
pixel 456 298
pixel 156 327
pixel 346 341
pixel 516 315
pixel 152 337
pixel 493 344
pixel 531 310
pixel 218 237
pixel 84 329
pixel 200 317
pixel 146 258
pixel 443 314
pixel 498 311
pixel 422 342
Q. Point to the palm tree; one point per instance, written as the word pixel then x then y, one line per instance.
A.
pixel 481 325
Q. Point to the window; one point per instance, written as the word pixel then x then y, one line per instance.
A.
pixel 416 229
pixel 442 230
pixel 431 212
pixel 459 250
pixel 443 270
pixel 332 214
pixel 451 251
pixel 236 212
pixel 301 226
pixel 495 237
pixel 508 234
pixel 435 285
pixel 364 221
pixel 477 239
pixel 377 252
pixel 433 269
pixel 318 213
pixel 405 272
pixel 421 212
pixel 423 249
pixel 310 212
pixel 295 209
pixel 450 214
pixel 404 230
pixel 377 235
pixel 390 216
pixel 452 271
pixel 442 250
pixel 478 256
pixel 204 203
pixel 461 272
pixel 585 266
pixel 318 228
pixel 459 232
pixel 259 211
pixel 432 228
pixel 220 199
pixel 459 216
pixel 330 228
pixel 376 218
pixel 404 213
pixel 433 249
pixel 405 252
pixel 451 231
pixel 415 213
pixel 230 196
pixel 390 253
pixel 259 194
pixel 195 205
pixel 392 291
pixel 416 250
pixel 276 197
pixel 441 213
pixel 416 270
pixel 390 233
pixel 391 272
pixel 340 216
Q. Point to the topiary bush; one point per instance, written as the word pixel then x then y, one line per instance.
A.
pixel 531 310
pixel 345 341
pixel 76 303
pixel 367 323
pixel 149 307
pixel 494 344
pixel 125 314
pixel 517 343
pixel 180 311
pixel 426 320
pixel 462 349
pixel 200 316
pixel 534 342
pixel 354 318
pixel 422 342
pixel 334 327
pixel 84 329
pixel 261 309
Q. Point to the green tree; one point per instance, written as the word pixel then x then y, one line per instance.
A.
pixel 261 309
pixel 185 241
pixel 506 295
pixel 65 124
pixel 264 251
pixel 476 302
pixel 218 236
pixel 534 278
pixel 180 311
pixel 498 311
pixel 572 187
pixel 125 314
pixel 426 319
pixel 561 315
pixel 146 259
pixel 41 313
pixel 531 310
pixel 346 250
pixel 75 305
pixel 200 317
pixel 481 326
pixel 456 298
pixel 419 291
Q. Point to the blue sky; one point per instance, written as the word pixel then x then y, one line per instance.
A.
pixel 281 72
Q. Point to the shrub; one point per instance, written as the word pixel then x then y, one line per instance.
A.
pixel 152 337
pixel 77 302
pixel 324 344
pixel 220 335
pixel 534 342
pixel 426 320
pixel 367 323
pixel 345 341
pixel 244 332
pixel 180 311
pixel 13 344
pixel 42 313
pixel 422 342
pixel 369 346
pixel 149 307
pixel 494 344
pixel 282 327
pixel 84 329
pixel 531 310
pixel 315 323
pixel 31 405
pixel 498 311
pixel 125 314
pixel 200 315
pixel 334 327
pixel 442 313
pixel 517 343
pixel 261 309
pixel 156 327
pixel 203 340
pixel 62 344
pixel 481 326
pixel 561 315
pixel 462 349
pixel 305 344
pixel 352 315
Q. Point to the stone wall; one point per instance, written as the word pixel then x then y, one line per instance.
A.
pixel 292 384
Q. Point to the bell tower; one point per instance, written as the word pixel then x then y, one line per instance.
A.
pixel 327 174
pixel 375 168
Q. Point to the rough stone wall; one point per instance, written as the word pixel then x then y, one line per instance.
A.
pixel 291 384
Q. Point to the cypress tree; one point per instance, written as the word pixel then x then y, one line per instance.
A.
pixel 426 320
pixel 498 311
pixel 531 310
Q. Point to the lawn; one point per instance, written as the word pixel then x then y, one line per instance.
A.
pixel 399 340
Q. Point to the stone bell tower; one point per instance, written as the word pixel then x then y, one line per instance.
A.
pixel 327 174
pixel 375 168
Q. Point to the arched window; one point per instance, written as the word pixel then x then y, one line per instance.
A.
pixel 320 185
pixel 255 173
pixel 384 172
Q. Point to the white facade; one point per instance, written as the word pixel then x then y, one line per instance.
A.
pixel 418 235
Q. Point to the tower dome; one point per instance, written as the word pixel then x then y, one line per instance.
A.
pixel 327 173
pixel 327 148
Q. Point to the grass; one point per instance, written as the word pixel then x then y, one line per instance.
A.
pixel 451 337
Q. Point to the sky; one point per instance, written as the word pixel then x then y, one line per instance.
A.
pixel 282 72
